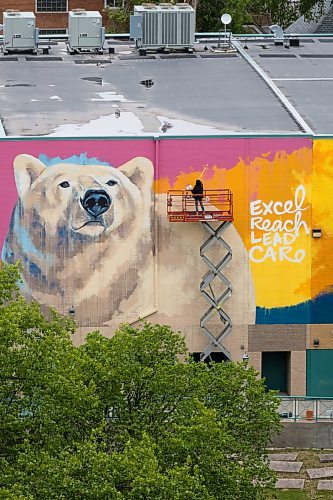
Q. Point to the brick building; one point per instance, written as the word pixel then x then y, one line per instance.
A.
pixel 255 121
pixel 52 15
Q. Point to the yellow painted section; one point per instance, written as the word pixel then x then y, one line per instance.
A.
pixel 322 212
pixel 277 190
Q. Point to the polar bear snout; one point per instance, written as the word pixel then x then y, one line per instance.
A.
pixel 96 202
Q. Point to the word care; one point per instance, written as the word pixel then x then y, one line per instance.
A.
pixel 275 226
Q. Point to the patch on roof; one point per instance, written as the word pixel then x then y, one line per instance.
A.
pixel 48 58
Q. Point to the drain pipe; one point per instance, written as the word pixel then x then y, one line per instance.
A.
pixel 282 98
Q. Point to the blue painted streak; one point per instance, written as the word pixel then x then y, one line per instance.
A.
pixel 283 315
pixel 81 159
pixel 29 249
pixel 316 311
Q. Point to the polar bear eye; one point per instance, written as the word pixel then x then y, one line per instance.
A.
pixel 111 183
pixel 64 184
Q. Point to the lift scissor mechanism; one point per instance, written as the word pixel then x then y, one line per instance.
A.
pixel 217 207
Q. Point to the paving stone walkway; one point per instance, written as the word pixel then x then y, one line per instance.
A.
pixel 320 473
pixel 280 466
pixel 324 484
pixel 285 464
pixel 289 457
pixel 289 484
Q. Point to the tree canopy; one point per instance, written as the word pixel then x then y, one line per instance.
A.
pixel 208 13
pixel 130 417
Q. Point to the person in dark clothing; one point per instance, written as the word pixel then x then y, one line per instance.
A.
pixel 197 192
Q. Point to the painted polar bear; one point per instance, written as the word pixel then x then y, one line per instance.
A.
pixel 91 243
pixel 83 234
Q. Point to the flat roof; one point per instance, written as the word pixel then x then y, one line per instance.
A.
pixel 202 93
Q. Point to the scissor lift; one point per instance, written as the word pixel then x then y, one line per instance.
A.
pixel 218 207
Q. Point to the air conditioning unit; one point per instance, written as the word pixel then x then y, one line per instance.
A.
pixel 85 31
pixel 163 26
pixel 19 31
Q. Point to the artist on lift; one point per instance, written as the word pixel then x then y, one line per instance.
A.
pixel 197 192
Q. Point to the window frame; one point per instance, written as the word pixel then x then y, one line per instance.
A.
pixel 51 11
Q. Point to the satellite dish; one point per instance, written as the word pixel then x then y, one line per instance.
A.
pixel 226 18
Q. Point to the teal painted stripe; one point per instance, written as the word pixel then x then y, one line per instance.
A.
pixel 239 136
pixel 323 136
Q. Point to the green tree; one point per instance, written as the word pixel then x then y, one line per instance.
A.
pixel 282 12
pixel 119 12
pixel 42 390
pixel 131 417
pixel 208 13
pixel 285 12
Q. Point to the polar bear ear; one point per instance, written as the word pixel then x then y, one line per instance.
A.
pixel 26 169
pixel 140 171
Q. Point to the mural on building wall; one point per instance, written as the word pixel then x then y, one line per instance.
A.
pixel 321 249
pixel 82 218
pixel 271 182
pixel 83 233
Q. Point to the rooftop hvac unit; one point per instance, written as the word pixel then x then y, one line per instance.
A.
pixel 163 26
pixel 85 31
pixel 19 31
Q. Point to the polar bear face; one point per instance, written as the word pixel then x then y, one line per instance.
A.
pixel 81 201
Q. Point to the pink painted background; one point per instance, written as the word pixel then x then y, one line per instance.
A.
pixel 178 155
pixel 170 156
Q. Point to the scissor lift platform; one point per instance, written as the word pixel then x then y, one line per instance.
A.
pixel 218 205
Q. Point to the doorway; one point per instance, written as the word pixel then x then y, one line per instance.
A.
pixel 275 369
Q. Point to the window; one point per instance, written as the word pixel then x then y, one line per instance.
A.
pixel 54 31
pixel 51 5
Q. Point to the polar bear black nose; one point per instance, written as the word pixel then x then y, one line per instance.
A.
pixel 96 202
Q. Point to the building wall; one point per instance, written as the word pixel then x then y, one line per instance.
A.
pixel 53 20
pixel 319 372
pixel 302 435
pixel 134 264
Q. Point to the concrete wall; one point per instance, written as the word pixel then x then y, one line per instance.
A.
pixel 305 435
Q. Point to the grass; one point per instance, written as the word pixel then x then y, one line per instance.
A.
pixel 300 495
pixel 289 495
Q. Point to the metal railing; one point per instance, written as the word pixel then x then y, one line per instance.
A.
pixel 296 408
pixel 199 35
pixel 217 203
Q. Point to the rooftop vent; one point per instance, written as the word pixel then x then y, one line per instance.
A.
pixel 12 12
pixel 165 26
pixel 149 5
pixel 19 32
pixel 86 34
pixel 278 34
pixel 79 12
